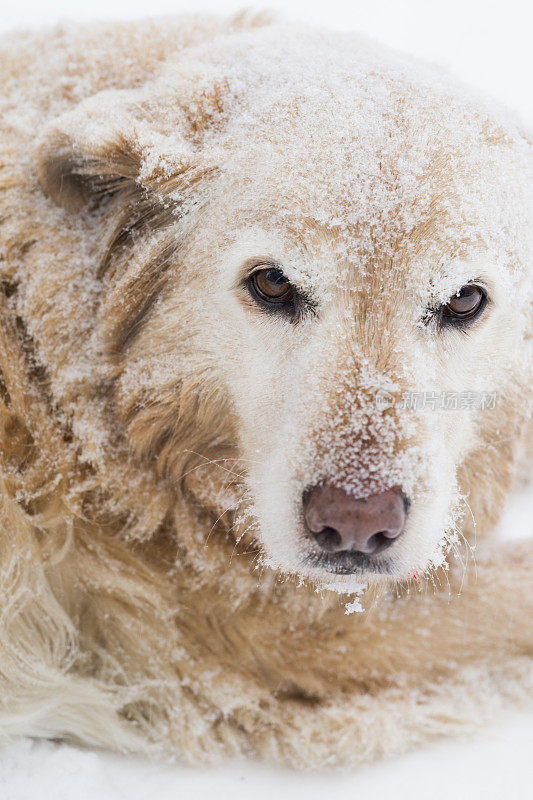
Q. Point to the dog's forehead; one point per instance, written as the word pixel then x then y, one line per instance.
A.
pixel 340 135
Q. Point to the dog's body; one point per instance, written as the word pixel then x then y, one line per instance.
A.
pixel 159 427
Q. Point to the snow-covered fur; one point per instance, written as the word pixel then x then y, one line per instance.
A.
pixel 159 427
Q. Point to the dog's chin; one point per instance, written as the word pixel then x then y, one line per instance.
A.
pixel 341 572
pixel 344 571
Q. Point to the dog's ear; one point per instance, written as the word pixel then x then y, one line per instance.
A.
pixel 74 175
pixel 101 148
pixel 148 139
pixel 137 175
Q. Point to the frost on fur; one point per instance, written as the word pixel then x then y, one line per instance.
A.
pixel 159 428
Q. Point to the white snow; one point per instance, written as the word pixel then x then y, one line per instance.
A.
pixel 491 767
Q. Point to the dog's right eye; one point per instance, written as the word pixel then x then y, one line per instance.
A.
pixel 270 286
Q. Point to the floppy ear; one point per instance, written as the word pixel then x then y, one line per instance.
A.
pixel 72 176
pixel 129 138
pixel 89 153
pixel 141 154
pixel 109 155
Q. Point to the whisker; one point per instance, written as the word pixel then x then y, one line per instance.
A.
pixel 229 508
pixel 213 462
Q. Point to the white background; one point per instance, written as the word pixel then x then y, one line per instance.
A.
pixel 488 44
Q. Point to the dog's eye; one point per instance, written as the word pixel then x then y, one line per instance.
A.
pixel 465 305
pixel 271 286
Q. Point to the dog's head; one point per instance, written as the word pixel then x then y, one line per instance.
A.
pixel 314 280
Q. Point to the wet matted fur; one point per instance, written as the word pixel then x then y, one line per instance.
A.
pixel 158 427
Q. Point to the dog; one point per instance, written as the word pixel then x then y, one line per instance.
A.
pixel 265 357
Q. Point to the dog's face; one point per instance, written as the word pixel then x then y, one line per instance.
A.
pixel 349 289
pixel 369 374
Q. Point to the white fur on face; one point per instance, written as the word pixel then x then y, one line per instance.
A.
pixel 378 220
pixel 305 398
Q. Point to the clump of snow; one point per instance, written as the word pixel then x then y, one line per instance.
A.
pixel 353 607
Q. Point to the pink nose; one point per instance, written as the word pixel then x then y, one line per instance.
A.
pixel 340 522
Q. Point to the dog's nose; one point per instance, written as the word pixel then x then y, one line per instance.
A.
pixel 338 521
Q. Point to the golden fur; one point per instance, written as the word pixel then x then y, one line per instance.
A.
pixel 132 614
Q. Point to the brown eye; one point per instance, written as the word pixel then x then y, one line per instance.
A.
pixel 271 286
pixel 467 303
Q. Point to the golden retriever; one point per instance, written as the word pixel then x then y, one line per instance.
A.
pixel 265 373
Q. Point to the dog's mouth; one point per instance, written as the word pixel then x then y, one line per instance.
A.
pixel 348 563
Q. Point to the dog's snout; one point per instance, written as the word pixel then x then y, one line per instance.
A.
pixel 340 522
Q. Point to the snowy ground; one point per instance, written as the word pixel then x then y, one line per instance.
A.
pixel 488 44
pixel 493 767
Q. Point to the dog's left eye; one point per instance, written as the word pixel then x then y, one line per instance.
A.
pixel 271 286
